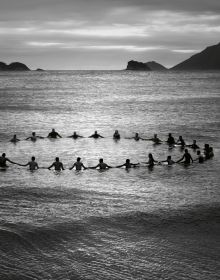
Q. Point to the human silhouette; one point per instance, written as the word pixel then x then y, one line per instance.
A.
pixel 170 140
pixel 194 145
pixel 33 165
pixel 57 165
pixel 169 160
pixel 151 161
pixel 95 135
pixel 75 135
pixel 186 157
pixel 4 160
pixel 34 137
pixel 116 135
pixel 101 165
pixel 128 164
pixel 54 134
pixel 15 139
pixel 181 142
pixel 200 157
pixel 78 165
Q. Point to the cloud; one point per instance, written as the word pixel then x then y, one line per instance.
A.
pixel 121 28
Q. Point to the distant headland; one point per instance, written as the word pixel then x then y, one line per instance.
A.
pixel 208 59
pixel 14 66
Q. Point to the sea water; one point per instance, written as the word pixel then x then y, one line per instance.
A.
pixel 160 223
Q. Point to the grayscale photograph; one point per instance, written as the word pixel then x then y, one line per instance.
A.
pixel 109 140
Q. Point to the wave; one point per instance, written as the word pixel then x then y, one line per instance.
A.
pixel 49 251
pixel 47 235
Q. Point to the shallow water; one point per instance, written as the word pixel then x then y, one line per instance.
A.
pixel 137 224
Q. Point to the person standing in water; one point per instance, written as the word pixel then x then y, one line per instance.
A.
pixel 155 139
pixel 116 135
pixel 78 165
pixel 169 161
pixel 34 137
pixel 194 146
pixel 128 164
pixel 187 157
pixel 101 165
pixel 75 135
pixel 33 165
pixel 54 134
pixel 136 137
pixel 200 157
pixel 4 160
pixel 151 161
pixel 15 139
pixel 170 140
pixel 181 142
pixel 95 135
pixel 58 166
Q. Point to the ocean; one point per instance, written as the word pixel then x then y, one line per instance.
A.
pixel 160 223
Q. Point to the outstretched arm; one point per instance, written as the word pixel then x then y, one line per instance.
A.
pixel 72 167
pixel 94 167
pixel 22 164
pixel 119 166
pixel 84 166
pixel 59 135
pixel 10 161
pixel 51 166
pixel 135 164
pixel 180 159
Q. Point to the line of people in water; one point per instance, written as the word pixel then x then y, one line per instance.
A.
pixel 116 136
pixel 78 165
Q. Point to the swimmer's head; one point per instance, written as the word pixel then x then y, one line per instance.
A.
pixel 57 159
pixel 127 160
pixel 101 160
pixel 4 155
pixel 78 159
pixel 33 158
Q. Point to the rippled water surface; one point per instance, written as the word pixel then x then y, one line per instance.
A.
pixel 137 224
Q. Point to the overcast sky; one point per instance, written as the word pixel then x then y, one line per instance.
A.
pixel 105 34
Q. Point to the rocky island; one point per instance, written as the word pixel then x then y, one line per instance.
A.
pixel 14 66
pixel 148 66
